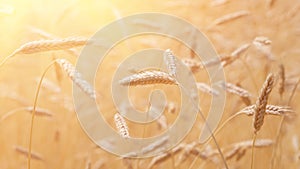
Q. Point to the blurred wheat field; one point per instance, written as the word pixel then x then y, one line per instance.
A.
pixel 271 27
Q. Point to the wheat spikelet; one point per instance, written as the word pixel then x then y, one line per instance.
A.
pixel 270 110
pixel 230 17
pixel 50 45
pixel 261 103
pixel 121 125
pixel 76 77
pixel 170 61
pixel 192 64
pixel 148 77
pixel 281 79
pixel 207 89
pixel 24 151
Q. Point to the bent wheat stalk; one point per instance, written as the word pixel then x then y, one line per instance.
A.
pixel 76 78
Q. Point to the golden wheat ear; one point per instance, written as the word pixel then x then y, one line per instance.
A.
pixel 47 45
pixel 148 77
pixel 260 108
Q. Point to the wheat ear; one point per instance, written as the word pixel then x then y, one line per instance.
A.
pixel 170 61
pixel 121 125
pixel 48 45
pixel 148 77
pixel 261 103
pixel 76 77
pixel 260 109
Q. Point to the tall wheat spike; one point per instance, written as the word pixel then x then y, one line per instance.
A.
pixel 261 103
pixel 260 109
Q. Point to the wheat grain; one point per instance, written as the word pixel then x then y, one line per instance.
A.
pixel 24 151
pixel 76 77
pixel 230 17
pixel 148 77
pixel 121 125
pixel 261 103
pixel 207 89
pixel 170 61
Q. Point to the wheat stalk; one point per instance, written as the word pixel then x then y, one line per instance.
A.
pixel 121 125
pixel 148 77
pixel 170 61
pixel 261 103
pixel 76 77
